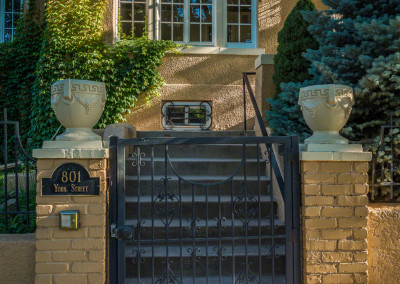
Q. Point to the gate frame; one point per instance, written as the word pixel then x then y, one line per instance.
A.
pixel 292 195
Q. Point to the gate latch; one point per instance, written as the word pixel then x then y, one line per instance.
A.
pixel 122 232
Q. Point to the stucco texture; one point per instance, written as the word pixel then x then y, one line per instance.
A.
pixel 215 78
pixel 271 18
pixel 17 259
pixel 384 244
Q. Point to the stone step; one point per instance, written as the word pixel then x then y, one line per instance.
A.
pixel 197 166
pixel 198 206
pixel 201 151
pixel 197 133
pixel 182 229
pixel 234 187
pixel 178 256
pixel 265 279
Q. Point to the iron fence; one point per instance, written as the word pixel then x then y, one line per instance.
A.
pixel 17 181
pixel 385 169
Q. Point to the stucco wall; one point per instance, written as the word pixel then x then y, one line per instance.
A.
pixel 215 78
pixel 271 17
pixel 17 259
pixel 384 243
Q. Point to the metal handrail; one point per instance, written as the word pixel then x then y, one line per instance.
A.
pixel 274 163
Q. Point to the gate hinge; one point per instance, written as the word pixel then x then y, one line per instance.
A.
pixel 122 232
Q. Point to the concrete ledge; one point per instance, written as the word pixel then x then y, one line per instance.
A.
pixel 70 153
pixel 336 156
pixel 264 59
pixel 220 50
pixel 17 258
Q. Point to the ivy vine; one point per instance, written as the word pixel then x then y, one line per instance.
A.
pixel 70 44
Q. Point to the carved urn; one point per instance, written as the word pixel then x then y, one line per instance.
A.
pixel 326 109
pixel 78 105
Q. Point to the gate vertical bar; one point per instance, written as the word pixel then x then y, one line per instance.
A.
pixel 113 243
pixel 296 208
pixel 288 212
pixel 121 211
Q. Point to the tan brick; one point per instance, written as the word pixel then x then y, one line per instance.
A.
pixel 312 234
pixel 352 222
pixel 320 268
pixel 361 278
pixel 361 211
pixel 70 279
pixel 311 211
pixel 336 167
pixel 43 233
pixel 352 245
pixel 97 232
pixel 320 223
pixel 311 189
pixel 65 207
pixel 360 189
pixel 352 200
pixel 353 178
pixel 337 279
pixel 69 234
pixel 360 234
pixel 47 245
pixel 337 212
pixel 310 167
pixel 353 267
pixel 97 255
pixel 321 245
pixel 97 209
pixel 312 257
pixel 89 199
pixel 336 189
pixel 318 178
pixel 335 234
pixel 88 267
pixel 44 210
pixel 88 244
pixel 68 256
pixel 96 278
pixel 313 279
pixel 318 200
pixel 53 200
pixel 45 164
pixel 43 256
pixel 361 167
pixel 360 256
pixel 97 164
pixel 337 256
pixel 44 278
pixel 48 221
pixel 93 220
pixel 47 268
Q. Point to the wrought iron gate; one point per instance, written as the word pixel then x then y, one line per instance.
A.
pixel 166 226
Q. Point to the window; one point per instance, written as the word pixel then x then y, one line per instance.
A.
pixel 186 115
pixel 10 11
pixel 222 23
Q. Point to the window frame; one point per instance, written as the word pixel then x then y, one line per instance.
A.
pixel 3 19
pixel 219 25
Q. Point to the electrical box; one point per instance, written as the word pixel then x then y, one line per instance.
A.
pixel 69 220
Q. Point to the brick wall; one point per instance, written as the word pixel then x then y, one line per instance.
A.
pixel 334 221
pixel 77 256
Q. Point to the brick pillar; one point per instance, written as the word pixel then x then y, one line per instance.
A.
pixel 334 217
pixel 76 256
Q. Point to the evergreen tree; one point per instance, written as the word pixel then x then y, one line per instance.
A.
pixel 356 38
pixel 293 39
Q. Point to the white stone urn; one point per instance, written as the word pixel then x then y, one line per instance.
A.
pixel 78 105
pixel 326 109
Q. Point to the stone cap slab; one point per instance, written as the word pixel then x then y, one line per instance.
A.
pixel 58 153
pixel 334 152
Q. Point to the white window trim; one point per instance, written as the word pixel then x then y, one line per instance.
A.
pixel 2 20
pixel 219 45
